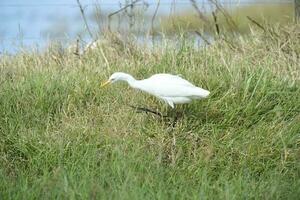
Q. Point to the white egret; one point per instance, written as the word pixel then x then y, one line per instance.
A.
pixel 172 89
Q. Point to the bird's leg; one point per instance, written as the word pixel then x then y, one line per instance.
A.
pixel 180 112
pixel 177 116
pixel 174 116
pixel 147 110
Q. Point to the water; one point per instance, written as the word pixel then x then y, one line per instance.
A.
pixel 34 23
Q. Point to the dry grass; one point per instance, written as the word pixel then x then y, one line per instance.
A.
pixel 189 21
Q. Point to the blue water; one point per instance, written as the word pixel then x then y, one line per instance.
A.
pixel 33 23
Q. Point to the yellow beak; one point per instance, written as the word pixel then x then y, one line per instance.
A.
pixel 105 83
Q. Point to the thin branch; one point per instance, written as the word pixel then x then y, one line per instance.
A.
pixel 216 22
pixel 202 37
pixel 99 18
pixel 77 50
pixel 154 15
pixel 228 18
pixel 84 19
pixel 172 8
pixel 123 8
pixel 200 14
pixel 256 23
pixel 120 10
pixel 130 15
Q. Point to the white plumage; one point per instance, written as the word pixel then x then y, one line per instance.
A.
pixel 170 88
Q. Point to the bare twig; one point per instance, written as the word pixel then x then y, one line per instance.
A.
pixel 154 15
pixel 84 19
pixel 216 22
pixel 99 18
pixel 200 14
pixel 228 18
pixel 120 10
pixel 123 8
pixel 256 23
pixel 77 50
pixel 130 15
pixel 203 38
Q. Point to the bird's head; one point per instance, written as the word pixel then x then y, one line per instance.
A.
pixel 118 76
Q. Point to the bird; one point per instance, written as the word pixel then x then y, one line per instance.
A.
pixel 172 89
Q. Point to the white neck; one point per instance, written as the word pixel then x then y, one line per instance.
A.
pixel 130 80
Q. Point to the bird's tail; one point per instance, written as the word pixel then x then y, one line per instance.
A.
pixel 202 93
pixel 205 93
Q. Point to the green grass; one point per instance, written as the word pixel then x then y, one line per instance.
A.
pixel 62 137
pixel 188 20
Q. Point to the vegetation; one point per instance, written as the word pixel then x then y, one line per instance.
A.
pixel 189 21
pixel 63 137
